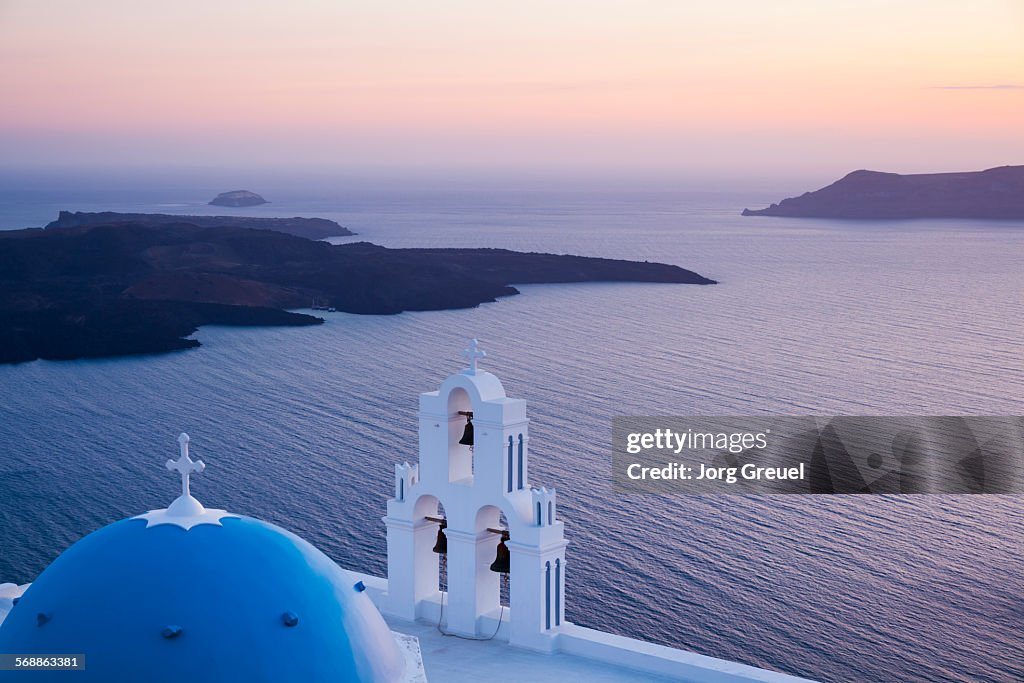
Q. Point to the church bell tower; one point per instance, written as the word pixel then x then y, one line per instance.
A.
pixel 474 464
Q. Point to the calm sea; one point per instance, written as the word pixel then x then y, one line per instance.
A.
pixel 301 426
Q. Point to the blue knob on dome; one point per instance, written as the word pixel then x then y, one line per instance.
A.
pixel 290 619
pixel 171 632
pixel 360 586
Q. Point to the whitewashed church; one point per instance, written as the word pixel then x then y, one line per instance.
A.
pixel 189 593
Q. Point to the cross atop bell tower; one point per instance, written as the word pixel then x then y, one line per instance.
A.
pixel 474 353
pixel 471 490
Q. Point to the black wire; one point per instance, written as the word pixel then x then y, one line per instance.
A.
pixel 440 618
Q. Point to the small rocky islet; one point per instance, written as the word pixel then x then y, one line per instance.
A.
pixel 238 198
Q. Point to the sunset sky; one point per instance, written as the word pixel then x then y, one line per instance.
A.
pixel 782 86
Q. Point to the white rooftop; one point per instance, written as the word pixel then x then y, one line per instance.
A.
pixel 453 660
pixel 583 655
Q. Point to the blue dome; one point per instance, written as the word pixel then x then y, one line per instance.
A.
pixel 240 601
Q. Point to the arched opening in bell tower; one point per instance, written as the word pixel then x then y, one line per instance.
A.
pixel 442 557
pixel 521 462
pixel 505 581
pixel 510 462
pixel 492 568
pixel 460 456
pixel 430 552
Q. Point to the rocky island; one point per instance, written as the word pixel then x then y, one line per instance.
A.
pixel 310 228
pixel 126 288
pixel 238 198
pixel 997 193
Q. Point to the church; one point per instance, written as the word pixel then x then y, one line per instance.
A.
pixel 479 573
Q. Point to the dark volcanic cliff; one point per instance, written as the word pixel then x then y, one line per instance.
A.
pixel 310 228
pixel 104 290
pixel 997 193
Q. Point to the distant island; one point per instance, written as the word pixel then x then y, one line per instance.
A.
pixel 238 198
pixel 127 288
pixel 310 228
pixel 997 193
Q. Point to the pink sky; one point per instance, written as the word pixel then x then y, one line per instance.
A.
pixel 789 85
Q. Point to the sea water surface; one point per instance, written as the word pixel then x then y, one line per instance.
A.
pixel 301 426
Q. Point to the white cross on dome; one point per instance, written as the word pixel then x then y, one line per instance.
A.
pixel 185 465
pixel 185 511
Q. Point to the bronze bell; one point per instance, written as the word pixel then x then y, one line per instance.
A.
pixel 441 545
pixel 503 560
pixel 467 433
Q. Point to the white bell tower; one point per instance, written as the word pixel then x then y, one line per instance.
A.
pixel 476 485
